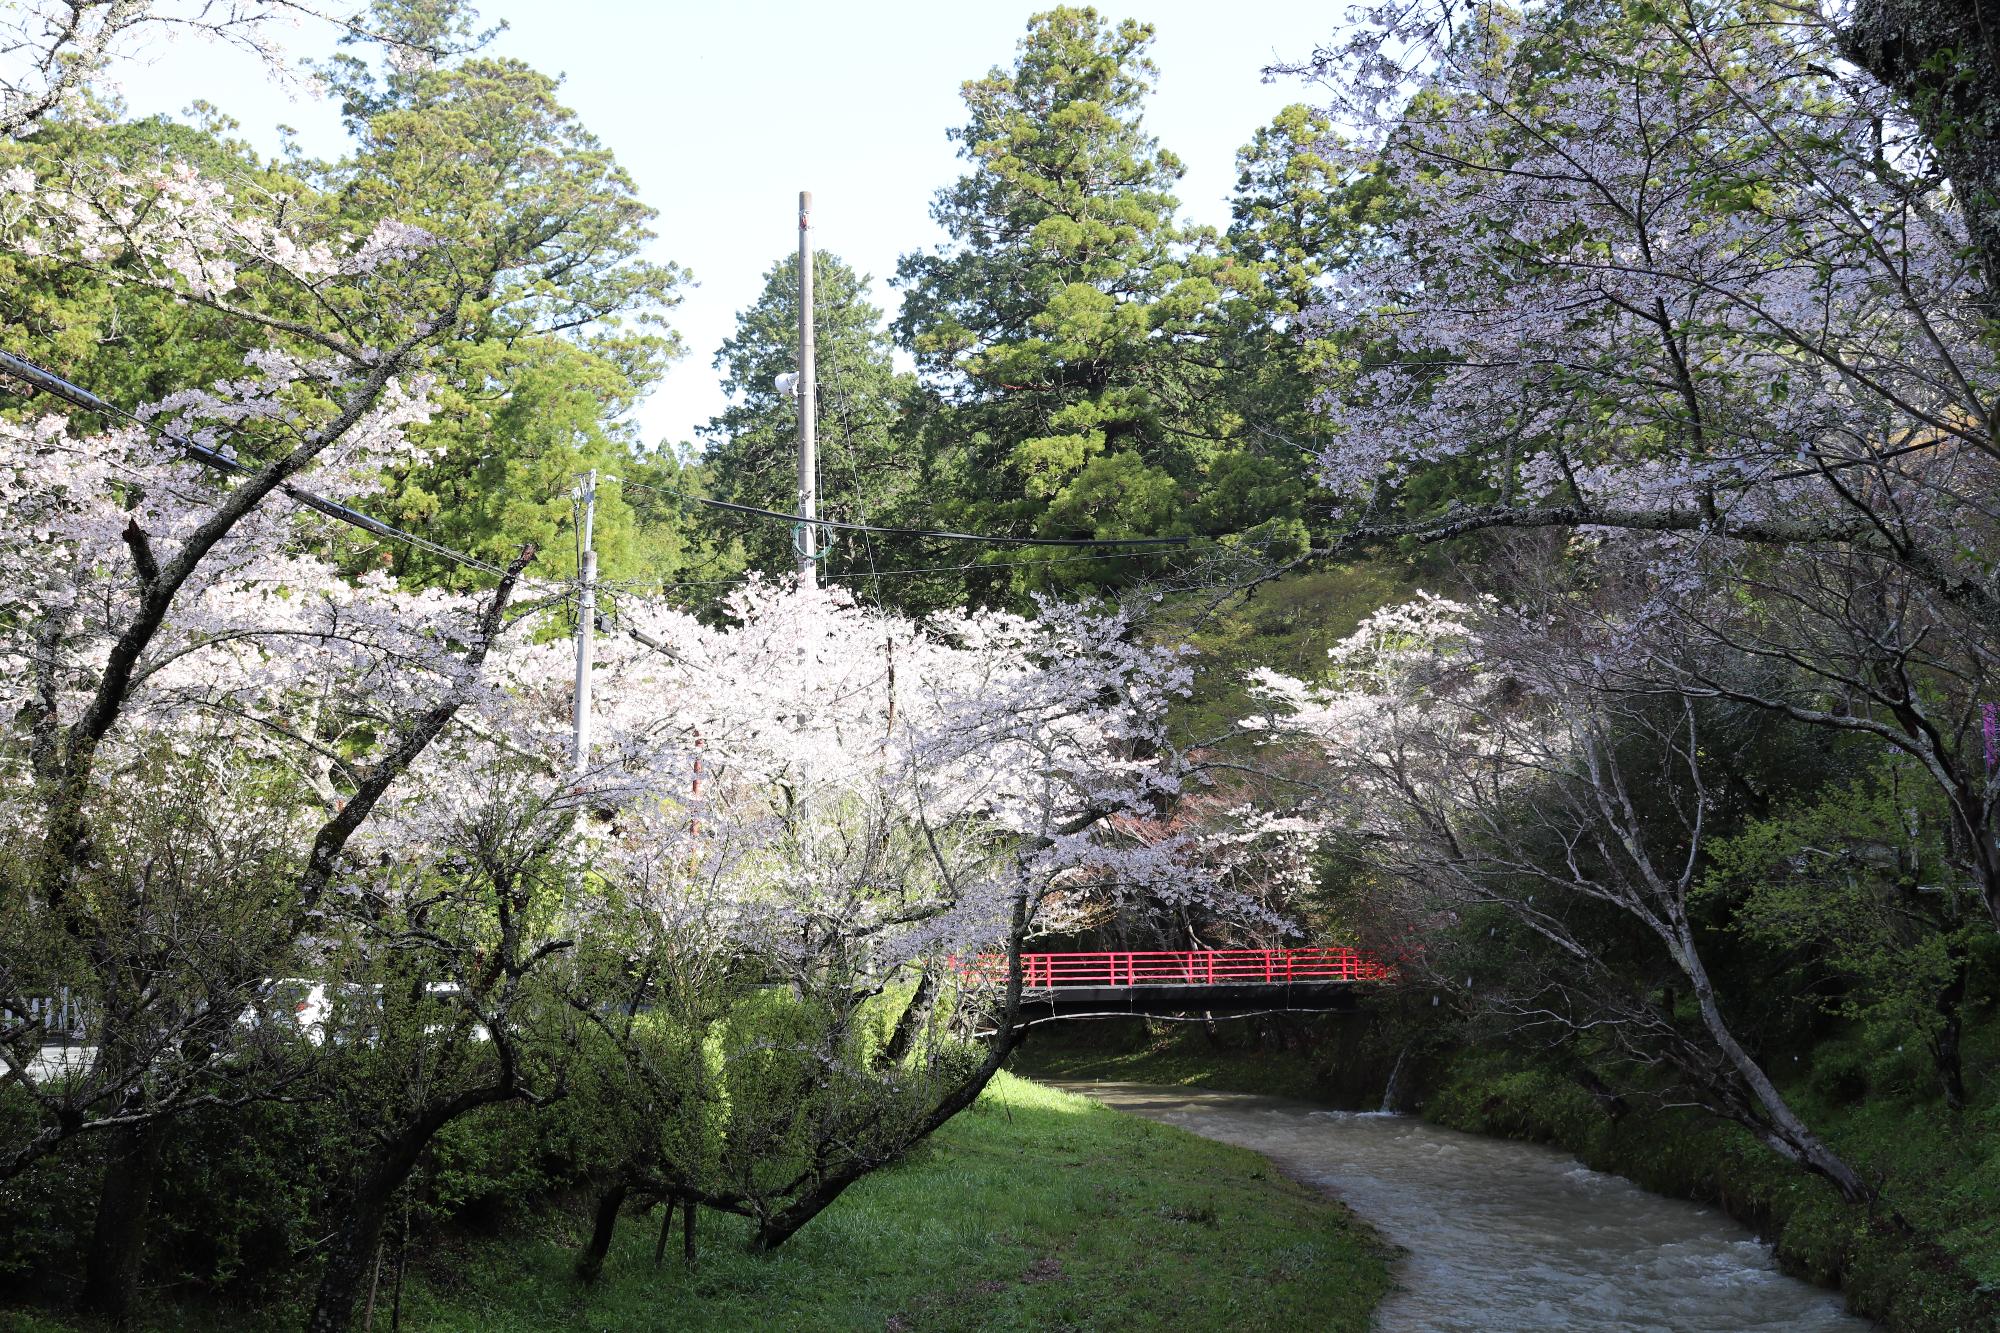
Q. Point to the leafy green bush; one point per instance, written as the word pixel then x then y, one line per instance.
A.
pixel 1840 1076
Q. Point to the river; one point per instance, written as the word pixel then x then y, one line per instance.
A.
pixel 1503 1236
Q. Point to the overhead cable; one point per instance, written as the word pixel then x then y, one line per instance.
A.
pixel 932 533
pixel 638 586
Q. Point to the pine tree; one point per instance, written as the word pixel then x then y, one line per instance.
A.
pixel 1298 212
pixel 474 148
pixel 1069 326
pixel 866 470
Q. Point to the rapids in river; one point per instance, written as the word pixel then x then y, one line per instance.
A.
pixel 1505 1236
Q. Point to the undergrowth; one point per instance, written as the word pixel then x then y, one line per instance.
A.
pixel 1033 1210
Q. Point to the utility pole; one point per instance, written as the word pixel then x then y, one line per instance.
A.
pixel 586 616
pixel 807 537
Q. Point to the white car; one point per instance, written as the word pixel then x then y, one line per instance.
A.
pixel 312 1004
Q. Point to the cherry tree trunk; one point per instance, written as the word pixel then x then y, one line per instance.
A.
pixel 911 1021
pixel 779 1227
pixel 1784 1132
pixel 591 1262
pixel 1945 1048
pixel 666 1228
pixel 355 1238
pixel 359 1229
pixel 118 1235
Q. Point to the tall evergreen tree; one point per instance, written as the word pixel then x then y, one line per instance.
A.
pixel 865 469
pixel 1297 213
pixel 1295 210
pixel 1069 326
pixel 473 148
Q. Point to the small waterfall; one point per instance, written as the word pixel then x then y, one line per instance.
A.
pixel 1389 1094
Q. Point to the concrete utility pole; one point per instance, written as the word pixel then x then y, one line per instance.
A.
pixel 586 616
pixel 806 540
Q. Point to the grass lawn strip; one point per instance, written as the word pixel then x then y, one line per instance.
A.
pixel 1036 1209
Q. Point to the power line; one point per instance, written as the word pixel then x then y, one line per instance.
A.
pixel 934 533
pixel 971 565
pixel 41 379
pixel 48 381
pixel 636 586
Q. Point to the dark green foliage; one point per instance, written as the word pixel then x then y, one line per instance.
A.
pixel 235 1202
pixel 477 150
pixel 239 1201
pixel 492 1166
pixel 42 1224
pixel 1070 331
pixel 1857 890
pixel 867 470
pixel 1941 59
pixel 1299 213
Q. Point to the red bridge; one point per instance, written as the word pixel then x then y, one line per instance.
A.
pixel 1172 983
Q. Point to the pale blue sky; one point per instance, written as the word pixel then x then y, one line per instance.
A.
pixel 722 112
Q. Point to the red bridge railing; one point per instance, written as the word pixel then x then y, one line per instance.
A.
pixel 1188 967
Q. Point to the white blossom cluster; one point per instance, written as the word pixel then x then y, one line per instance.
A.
pixel 1670 276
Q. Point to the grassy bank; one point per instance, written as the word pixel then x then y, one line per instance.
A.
pixel 1324 1065
pixel 1180 1064
pixel 1925 1260
pixel 1033 1210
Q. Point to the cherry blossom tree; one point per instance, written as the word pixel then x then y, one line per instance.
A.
pixel 851 802
pixel 1697 287
pixel 52 50
pixel 1684 278
pixel 1479 757
pixel 169 594
pixel 452 957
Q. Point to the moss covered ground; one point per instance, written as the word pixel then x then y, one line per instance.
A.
pixel 1033 1210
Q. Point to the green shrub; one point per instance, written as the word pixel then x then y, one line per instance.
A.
pixel 1840 1076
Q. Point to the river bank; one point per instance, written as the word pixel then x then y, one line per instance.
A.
pixel 1035 1209
pixel 1507 1235
pixel 1925 1261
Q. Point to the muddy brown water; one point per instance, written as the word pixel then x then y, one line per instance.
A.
pixel 1504 1236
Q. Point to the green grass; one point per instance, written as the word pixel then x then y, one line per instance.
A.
pixel 1175 1063
pixel 1287 625
pixel 1034 1210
